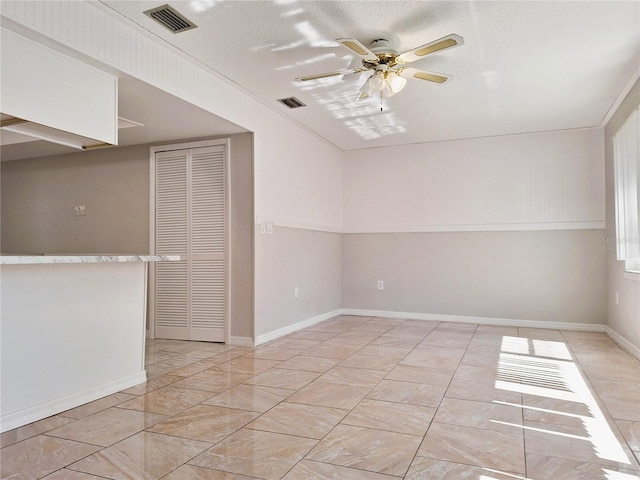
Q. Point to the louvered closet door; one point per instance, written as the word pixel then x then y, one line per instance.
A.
pixel 171 238
pixel 207 261
pixel 190 221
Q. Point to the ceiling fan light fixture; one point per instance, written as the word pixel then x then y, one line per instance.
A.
pixel 396 82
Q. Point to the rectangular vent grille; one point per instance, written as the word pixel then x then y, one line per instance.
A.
pixel 291 102
pixel 169 18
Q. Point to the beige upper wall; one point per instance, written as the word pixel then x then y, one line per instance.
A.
pixel 624 317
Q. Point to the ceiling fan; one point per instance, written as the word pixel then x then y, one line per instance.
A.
pixel 390 70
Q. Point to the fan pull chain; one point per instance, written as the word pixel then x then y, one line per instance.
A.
pixel 380 101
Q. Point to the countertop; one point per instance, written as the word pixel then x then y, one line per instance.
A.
pixel 7 259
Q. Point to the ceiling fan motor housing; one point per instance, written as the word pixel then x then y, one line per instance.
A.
pixel 381 47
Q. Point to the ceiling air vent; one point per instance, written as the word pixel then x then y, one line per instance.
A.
pixel 169 18
pixel 291 102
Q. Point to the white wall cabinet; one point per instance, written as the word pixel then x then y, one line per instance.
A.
pixel 189 190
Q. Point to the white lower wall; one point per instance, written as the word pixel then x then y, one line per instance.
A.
pixel 71 333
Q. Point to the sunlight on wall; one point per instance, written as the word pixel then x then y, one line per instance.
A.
pixel 546 369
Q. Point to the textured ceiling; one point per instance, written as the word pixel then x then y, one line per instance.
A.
pixel 525 66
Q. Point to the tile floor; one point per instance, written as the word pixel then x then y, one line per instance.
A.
pixel 357 398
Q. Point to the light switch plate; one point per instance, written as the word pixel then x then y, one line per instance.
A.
pixel 79 210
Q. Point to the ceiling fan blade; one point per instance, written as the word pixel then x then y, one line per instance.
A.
pixel 443 43
pixel 424 75
pixel 358 48
pixel 317 76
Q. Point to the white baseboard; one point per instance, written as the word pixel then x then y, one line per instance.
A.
pixel 34 413
pixel 241 341
pixel 507 322
pixel 623 342
pixel 267 337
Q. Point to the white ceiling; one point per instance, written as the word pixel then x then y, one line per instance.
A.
pixel 525 66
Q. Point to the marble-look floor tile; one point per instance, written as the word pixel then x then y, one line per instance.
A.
pixel 479 383
pixel 248 365
pixel 206 423
pixel 331 350
pixel 631 433
pixel 152 384
pixel 598 444
pixel 66 474
pixel 423 468
pixel 391 352
pixel 311 335
pixel 556 411
pixel 167 400
pixel 273 353
pixel 371 362
pixel 256 453
pixel 457 327
pixel 32 429
pixel 434 357
pixel 38 456
pixel 496 330
pixel 407 392
pixel 401 342
pixel 310 470
pixel 486 415
pixel 367 449
pixel 309 364
pixel 144 456
pixel 622 399
pixel 298 419
pixel 475 446
pixel 358 377
pixel 541 334
pixel 429 376
pixel 540 467
pixel 197 367
pixel 394 417
pixel 295 343
pixel 97 406
pixel 235 353
pixel 478 358
pixel 330 395
pixel 213 380
pixel 607 370
pixel 284 378
pixel 191 472
pixel 255 398
pixel 569 437
pixel 408 330
pixel 448 339
pixel 107 427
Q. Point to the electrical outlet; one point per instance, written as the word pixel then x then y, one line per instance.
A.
pixel 296 292
pixel 263 228
pixel 380 285
pixel 269 227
